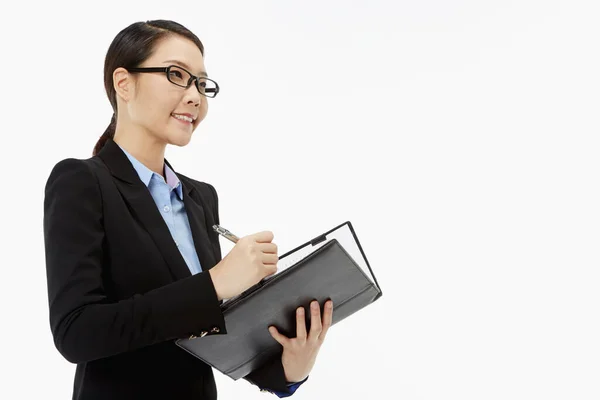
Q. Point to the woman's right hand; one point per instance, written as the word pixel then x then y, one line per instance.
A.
pixel 253 258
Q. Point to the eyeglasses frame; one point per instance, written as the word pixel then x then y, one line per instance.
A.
pixel 193 77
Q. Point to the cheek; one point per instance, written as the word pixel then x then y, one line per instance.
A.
pixel 155 110
pixel 203 111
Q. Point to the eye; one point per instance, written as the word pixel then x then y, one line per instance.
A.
pixel 176 74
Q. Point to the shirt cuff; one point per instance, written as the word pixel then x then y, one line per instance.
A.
pixel 291 387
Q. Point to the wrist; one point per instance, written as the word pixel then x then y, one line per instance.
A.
pixel 216 281
pixel 288 383
pixel 292 380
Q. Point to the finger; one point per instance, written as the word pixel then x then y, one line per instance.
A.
pixel 267 247
pixel 300 324
pixel 263 237
pixel 315 320
pixel 270 269
pixel 269 258
pixel 281 339
pixel 327 319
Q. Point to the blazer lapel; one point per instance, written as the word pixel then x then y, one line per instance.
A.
pixel 142 206
pixel 199 220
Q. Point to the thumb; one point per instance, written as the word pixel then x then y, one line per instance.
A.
pixel 263 237
pixel 282 340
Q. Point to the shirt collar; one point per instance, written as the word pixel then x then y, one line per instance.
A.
pixel 146 174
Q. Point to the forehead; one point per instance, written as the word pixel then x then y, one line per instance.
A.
pixel 178 50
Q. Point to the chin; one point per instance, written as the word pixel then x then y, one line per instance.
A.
pixel 180 140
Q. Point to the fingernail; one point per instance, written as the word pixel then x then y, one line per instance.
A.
pixel 330 304
pixel 314 305
pixel 300 311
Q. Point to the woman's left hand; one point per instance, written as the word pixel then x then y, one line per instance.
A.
pixel 300 353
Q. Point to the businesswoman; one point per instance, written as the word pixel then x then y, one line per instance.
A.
pixel 132 262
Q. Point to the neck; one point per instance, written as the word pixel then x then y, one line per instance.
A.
pixel 143 146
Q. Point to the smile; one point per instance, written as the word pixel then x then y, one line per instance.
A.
pixel 182 118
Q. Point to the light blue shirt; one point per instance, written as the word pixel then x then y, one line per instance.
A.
pixel 168 196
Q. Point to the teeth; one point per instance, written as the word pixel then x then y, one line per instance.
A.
pixel 182 117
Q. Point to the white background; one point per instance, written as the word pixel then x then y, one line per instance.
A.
pixel 459 137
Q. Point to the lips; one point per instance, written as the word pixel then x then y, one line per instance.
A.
pixel 190 116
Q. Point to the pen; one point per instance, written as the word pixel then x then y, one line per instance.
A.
pixel 225 233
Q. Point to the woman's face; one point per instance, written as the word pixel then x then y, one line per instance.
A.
pixel 155 99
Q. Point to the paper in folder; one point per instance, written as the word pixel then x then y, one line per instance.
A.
pixel 331 266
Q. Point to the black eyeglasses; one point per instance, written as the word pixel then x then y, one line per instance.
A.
pixel 184 78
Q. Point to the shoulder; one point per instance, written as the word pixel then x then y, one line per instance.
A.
pixel 72 184
pixel 72 170
pixel 73 176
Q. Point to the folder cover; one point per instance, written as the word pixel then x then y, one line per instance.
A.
pixel 331 266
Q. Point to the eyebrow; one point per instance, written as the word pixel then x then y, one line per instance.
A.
pixel 184 65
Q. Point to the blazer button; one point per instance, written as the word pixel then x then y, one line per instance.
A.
pixel 203 333
pixel 215 330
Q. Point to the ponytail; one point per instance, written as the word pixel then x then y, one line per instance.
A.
pixel 109 133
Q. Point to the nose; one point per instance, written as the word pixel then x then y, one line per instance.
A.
pixel 192 96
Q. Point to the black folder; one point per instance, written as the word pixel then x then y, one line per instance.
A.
pixel 330 266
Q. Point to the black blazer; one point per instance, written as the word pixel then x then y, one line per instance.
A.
pixel 120 292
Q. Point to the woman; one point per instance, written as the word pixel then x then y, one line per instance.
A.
pixel 132 263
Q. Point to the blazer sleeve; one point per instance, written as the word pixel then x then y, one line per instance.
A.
pixel 270 376
pixel 85 324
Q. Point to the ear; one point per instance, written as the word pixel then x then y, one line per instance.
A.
pixel 123 83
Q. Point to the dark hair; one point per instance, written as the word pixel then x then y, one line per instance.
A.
pixel 130 48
